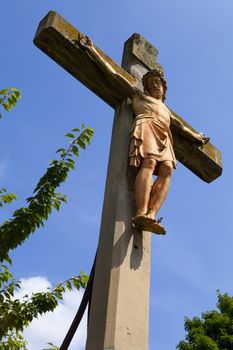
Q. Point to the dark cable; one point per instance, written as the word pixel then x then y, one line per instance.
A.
pixel 82 307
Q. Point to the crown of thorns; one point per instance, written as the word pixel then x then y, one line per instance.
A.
pixel 158 71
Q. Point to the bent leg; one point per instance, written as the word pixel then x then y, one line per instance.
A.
pixel 143 184
pixel 160 187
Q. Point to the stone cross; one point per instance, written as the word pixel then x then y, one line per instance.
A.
pixel 120 300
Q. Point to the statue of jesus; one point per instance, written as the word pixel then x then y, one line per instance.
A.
pixel 151 145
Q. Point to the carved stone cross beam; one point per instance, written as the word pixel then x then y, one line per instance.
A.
pixel 59 40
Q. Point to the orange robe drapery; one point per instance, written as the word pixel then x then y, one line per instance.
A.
pixel 150 134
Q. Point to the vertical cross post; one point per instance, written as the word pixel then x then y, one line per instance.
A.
pixel 120 301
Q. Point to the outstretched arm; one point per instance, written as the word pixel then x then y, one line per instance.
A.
pixel 194 136
pixel 87 44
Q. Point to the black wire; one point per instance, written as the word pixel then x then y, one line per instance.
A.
pixel 82 307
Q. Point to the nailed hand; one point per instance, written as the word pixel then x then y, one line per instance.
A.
pixel 85 41
pixel 203 138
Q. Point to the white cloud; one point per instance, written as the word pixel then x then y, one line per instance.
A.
pixel 32 285
pixel 53 326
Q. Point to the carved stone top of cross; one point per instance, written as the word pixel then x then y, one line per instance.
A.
pixel 58 39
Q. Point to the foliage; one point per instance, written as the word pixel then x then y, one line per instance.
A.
pixel 16 314
pixel 14 341
pixel 9 98
pixel 25 220
pixel 213 331
pixel 5 197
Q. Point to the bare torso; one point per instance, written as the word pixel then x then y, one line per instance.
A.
pixel 149 106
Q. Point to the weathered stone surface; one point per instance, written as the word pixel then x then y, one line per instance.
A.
pixel 119 313
pixel 140 48
pixel 58 39
pixel 203 160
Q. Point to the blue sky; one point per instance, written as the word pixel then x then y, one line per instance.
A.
pixel 194 39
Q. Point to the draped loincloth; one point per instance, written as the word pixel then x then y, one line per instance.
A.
pixel 151 138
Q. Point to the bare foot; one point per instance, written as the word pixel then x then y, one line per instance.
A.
pixel 145 223
pixel 150 214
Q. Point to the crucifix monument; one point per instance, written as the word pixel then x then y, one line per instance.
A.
pixel 120 300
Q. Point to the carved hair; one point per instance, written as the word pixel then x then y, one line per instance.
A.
pixel 157 72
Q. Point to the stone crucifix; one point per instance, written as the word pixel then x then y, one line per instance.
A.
pixel 120 299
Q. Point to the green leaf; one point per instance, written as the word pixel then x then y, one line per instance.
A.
pixel 90 131
pixel 8 198
pixel 17 91
pixel 60 150
pixel 56 205
pixel 11 102
pixel 70 135
pixel 14 98
pixel 76 283
pixel 68 285
pixel 85 278
pixel 74 149
pixel 6 107
pixel 4 91
pixel 58 295
pixel 81 144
